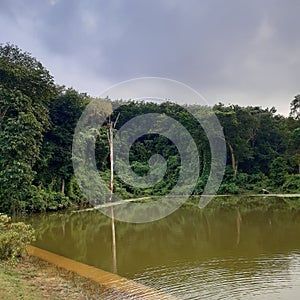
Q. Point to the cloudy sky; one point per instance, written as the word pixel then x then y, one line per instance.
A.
pixel 233 51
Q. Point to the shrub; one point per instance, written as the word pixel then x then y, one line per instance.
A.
pixel 228 188
pixel 292 184
pixel 278 171
pixel 14 237
pixel 42 200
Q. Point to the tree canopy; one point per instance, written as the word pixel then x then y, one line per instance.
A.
pixel 38 119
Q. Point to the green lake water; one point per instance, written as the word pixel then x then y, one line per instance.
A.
pixel 229 253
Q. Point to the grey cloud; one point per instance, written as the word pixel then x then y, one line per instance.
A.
pixel 224 49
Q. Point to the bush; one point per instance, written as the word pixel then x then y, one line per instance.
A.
pixel 42 200
pixel 255 182
pixel 14 237
pixel 278 171
pixel 292 184
pixel 228 188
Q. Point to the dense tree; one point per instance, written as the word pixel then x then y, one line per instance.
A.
pixel 240 126
pixel 55 164
pixel 271 140
pixel 295 108
pixel 294 149
pixel 25 90
pixel 38 119
pixel 278 171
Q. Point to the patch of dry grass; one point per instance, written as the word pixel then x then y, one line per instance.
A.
pixel 33 279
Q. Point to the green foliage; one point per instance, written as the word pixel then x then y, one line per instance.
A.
pixel 278 171
pixel 228 188
pixel 42 200
pixel 294 148
pixel 295 108
pixel 37 122
pixel 65 110
pixel 292 184
pixel 25 89
pixel 253 182
pixel 14 237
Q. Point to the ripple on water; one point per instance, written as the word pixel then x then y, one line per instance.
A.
pixel 265 277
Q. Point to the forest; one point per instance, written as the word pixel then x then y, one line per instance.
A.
pixel 38 119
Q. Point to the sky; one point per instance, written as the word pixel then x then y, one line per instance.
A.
pixel 230 51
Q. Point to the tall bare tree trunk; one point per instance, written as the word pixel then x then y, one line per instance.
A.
pixel 63 186
pixel 113 229
pixel 111 150
pixel 234 163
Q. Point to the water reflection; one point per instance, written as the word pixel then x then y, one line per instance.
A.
pixel 192 254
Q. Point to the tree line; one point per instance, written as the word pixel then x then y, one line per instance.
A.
pixel 38 119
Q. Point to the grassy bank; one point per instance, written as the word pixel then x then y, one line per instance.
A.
pixel 12 286
pixel 31 279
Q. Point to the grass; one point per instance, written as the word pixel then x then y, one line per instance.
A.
pixel 32 279
pixel 13 286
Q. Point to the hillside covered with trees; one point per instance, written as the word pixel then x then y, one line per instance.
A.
pixel 38 119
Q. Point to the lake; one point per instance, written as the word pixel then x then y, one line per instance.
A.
pixel 224 253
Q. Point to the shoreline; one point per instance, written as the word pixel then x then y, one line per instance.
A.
pixel 45 275
pixel 32 279
pixel 111 283
pixel 191 198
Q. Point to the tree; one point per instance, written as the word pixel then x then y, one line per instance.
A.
pixel 65 110
pixel 295 108
pixel 240 127
pixel 25 90
pixel 278 171
pixel 294 149
pixel 270 141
